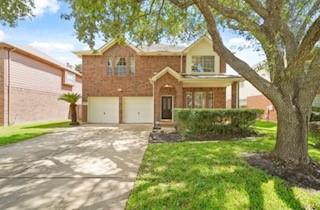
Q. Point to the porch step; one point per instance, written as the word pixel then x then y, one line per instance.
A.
pixel 166 124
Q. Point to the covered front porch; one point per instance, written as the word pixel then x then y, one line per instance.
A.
pixel 173 90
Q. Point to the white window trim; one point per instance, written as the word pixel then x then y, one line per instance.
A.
pixel 69 81
pixel 214 66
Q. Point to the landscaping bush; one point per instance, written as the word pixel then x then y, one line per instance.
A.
pixel 195 122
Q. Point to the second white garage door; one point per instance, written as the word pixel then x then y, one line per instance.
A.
pixel 137 110
pixel 103 110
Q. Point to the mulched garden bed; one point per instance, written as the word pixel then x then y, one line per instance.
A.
pixel 170 135
pixel 302 176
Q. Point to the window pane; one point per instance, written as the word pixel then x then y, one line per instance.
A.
pixel 188 102
pixel 121 66
pixel 210 99
pixel 109 66
pixel 199 99
pixel 202 64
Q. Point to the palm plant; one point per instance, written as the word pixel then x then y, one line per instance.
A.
pixel 72 99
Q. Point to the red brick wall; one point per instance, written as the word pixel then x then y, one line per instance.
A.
pixel 261 102
pixel 34 90
pixel 97 82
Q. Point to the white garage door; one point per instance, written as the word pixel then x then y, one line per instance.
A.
pixel 138 110
pixel 103 110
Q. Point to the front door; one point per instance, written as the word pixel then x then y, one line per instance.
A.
pixel 166 107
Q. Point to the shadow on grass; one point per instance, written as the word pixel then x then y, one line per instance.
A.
pixel 49 125
pixel 208 176
pixel 13 134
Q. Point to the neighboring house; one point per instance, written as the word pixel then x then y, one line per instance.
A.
pixel 30 84
pixel 250 97
pixel 126 84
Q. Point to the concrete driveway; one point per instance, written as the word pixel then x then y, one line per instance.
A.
pixel 87 167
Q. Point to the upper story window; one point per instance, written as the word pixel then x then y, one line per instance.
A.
pixel 69 78
pixel 202 64
pixel 121 66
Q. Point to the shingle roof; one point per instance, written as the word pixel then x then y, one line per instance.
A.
pixel 154 49
pixel 163 48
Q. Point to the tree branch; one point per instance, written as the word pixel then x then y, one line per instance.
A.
pixel 313 73
pixel 276 23
pixel 183 4
pixel 315 7
pixel 311 81
pixel 308 42
pixel 238 65
pixel 264 33
pixel 258 8
pixel 159 14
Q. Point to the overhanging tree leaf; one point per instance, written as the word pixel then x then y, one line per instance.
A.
pixel 13 10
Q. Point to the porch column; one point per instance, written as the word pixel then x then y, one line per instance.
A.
pixel 235 95
pixel 156 105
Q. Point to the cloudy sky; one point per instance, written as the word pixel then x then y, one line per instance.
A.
pixel 56 37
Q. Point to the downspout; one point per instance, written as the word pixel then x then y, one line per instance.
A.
pixel 9 85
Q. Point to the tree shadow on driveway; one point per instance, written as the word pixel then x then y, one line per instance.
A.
pixel 79 168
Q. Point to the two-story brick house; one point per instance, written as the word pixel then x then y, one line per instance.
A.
pixel 126 84
pixel 30 84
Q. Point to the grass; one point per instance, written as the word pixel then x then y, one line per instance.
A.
pixel 16 133
pixel 213 175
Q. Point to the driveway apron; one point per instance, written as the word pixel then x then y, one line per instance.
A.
pixel 86 167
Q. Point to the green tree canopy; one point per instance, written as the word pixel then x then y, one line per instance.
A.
pixel 13 10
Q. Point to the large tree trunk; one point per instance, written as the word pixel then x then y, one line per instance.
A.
pixel 292 136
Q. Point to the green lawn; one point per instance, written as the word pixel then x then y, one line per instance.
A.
pixel 213 175
pixel 16 133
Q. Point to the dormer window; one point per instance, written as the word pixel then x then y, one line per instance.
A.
pixel 202 64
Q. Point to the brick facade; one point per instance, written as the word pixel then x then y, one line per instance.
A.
pixel 30 87
pixel 97 81
pixel 261 102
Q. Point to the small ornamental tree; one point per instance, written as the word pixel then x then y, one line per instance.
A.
pixel 286 31
pixel 72 99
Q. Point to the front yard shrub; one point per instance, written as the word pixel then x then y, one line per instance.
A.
pixel 199 122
